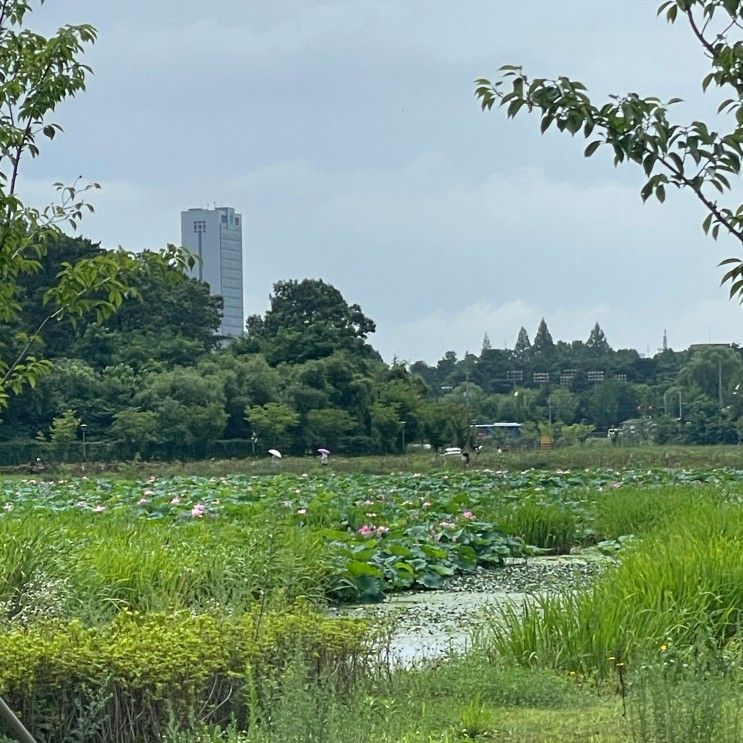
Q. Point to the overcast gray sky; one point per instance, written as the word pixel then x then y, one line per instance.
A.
pixel 347 134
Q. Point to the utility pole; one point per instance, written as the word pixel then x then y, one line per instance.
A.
pixel 719 380
pixel 467 394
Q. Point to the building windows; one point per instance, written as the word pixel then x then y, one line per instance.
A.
pixel 224 219
pixel 237 221
pixel 199 226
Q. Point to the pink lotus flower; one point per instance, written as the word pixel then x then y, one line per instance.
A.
pixel 143 501
pixel 468 515
pixel 365 531
pixel 198 510
pixel 382 530
pixel 446 524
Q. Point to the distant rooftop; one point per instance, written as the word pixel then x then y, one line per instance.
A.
pixel 498 425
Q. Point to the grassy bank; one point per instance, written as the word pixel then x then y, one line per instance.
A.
pixel 596 453
pixel 681 587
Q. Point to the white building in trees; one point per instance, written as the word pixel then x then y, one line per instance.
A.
pixel 215 237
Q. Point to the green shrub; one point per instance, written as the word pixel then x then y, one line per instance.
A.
pixel 141 668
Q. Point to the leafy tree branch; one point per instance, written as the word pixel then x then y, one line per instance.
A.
pixel 637 129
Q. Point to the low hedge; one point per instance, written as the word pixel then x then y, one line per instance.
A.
pixel 143 673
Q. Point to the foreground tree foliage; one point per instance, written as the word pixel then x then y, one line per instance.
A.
pixel 36 74
pixel 685 155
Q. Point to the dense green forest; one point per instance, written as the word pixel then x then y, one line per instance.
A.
pixel 154 380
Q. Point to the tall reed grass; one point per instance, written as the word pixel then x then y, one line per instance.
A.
pixel 682 583
pixel 63 565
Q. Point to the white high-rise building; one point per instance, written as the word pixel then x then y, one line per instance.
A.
pixel 215 237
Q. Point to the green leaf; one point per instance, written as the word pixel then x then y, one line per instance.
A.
pixel 514 107
pixel 430 580
pixel 356 567
pixel 591 148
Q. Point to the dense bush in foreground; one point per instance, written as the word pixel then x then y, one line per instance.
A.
pixel 130 679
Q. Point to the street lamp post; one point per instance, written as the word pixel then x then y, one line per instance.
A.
pixel 83 428
pixel 665 402
pixel 549 407
pixel 253 441
pixel 719 380
pixel 402 423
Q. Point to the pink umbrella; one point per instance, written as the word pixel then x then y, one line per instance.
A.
pixel 323 451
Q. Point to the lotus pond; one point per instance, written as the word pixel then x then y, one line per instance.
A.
pixel 164 606
pixel 358 536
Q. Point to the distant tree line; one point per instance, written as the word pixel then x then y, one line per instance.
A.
pixel 155 380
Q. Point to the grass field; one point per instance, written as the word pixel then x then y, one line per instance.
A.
pixel 192 607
